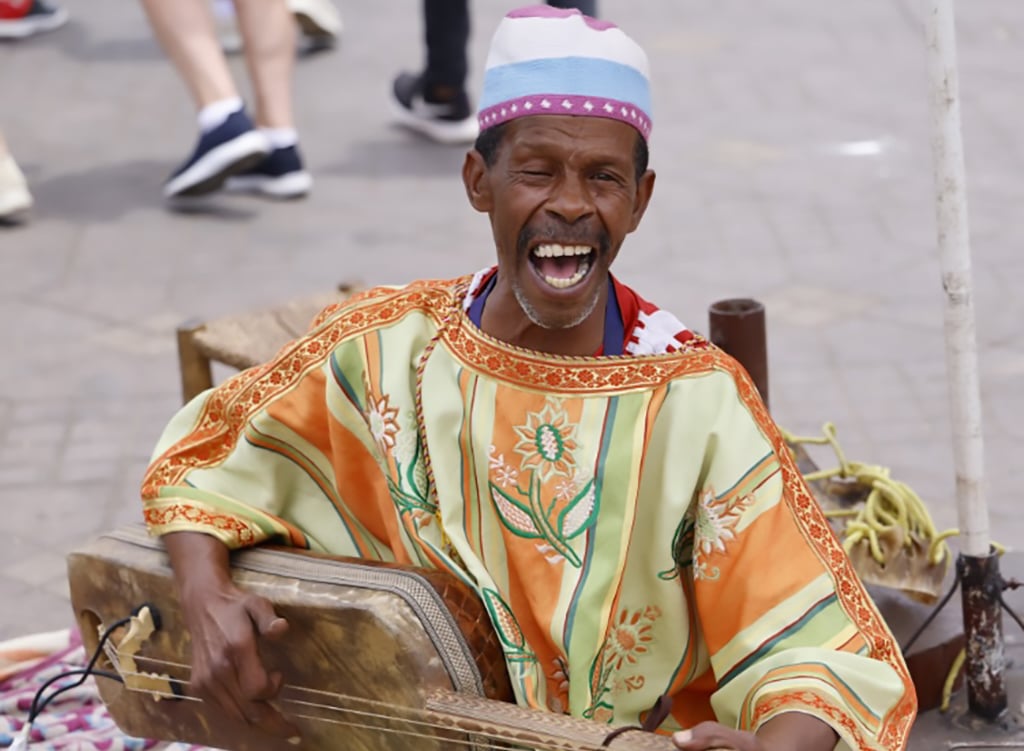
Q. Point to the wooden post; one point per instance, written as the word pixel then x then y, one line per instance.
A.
pixel 738 327
pixel 196 372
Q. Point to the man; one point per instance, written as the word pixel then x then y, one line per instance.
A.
pixel 607 481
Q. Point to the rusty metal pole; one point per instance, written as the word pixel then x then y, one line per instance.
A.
pixel 985 668
pixel 738 327
pixel 985 664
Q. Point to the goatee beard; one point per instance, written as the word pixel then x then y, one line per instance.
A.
pixel 537 320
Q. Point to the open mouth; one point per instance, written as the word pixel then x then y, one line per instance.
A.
pixel 562 266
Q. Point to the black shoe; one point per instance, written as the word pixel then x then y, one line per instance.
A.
pixel 451 120
pixel 279 175
pixel 232 147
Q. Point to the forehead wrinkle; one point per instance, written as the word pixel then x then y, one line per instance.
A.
pixel 572 140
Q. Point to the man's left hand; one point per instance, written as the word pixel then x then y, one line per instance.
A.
pixel 789 731
pixel 711 736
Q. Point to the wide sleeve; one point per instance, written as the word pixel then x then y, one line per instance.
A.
pixel 270 455
pixel 787 623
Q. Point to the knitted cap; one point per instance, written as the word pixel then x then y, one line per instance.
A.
pixel 551 61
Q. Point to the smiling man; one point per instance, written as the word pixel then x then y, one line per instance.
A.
pixel 607 481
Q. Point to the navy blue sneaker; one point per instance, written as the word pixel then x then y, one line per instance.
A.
pixel 279 175
pixel 232 147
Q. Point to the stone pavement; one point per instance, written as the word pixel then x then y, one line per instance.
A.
pixel 792 144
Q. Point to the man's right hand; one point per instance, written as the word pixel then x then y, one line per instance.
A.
pixel 226 625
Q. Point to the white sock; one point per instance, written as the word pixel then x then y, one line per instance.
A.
pixel 213 115
pixel 281 138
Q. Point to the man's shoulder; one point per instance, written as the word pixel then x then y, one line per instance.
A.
pixel 383 303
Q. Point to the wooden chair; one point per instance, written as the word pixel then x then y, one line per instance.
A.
pixel 246 339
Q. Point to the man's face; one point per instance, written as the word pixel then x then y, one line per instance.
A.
pixel 562 195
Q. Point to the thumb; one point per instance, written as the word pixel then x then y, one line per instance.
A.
pixel 268 623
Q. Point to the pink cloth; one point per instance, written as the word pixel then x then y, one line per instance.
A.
pixel 77 719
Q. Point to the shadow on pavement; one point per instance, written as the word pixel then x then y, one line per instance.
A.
pixel 75 41
pixel 109 192
pixel 413 157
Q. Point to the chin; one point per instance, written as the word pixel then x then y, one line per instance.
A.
pixel 566 311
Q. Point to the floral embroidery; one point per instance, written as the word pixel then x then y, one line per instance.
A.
pixel 628 638
pixel 241 532
pixel 525 505
pixel 382 419
pixel 558 699
pixel 569 487
pixel 547 441
pixel 505 474
pixel 631 635
pixel 511 636
pixel 408 486
pixel 715 526
pixel 555 523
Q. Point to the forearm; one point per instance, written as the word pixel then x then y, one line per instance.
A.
pixel 199 561
pixel 796 731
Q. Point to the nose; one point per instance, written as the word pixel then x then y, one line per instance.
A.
pixel 571 200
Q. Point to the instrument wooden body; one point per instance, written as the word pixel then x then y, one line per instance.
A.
pixel 378 657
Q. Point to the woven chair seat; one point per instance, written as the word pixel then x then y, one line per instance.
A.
pixel 246 339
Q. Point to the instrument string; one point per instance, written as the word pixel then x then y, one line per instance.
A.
pixel 426 736
pixel 363 707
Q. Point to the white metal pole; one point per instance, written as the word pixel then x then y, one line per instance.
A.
pixel 955 253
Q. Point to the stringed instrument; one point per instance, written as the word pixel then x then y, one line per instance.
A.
pixel 378 657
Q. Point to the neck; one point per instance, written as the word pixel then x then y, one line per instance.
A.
pixel 504 319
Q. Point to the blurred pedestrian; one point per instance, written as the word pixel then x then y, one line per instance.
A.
pixel 318 20
pixel 15 199
pixel 435 102
pixel 20 19
pixel 260 150
pixel 23 18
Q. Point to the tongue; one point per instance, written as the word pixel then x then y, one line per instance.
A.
pixel 561 267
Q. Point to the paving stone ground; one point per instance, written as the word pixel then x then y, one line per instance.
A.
pixel 792 146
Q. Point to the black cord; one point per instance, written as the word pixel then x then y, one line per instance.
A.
pixel 1008 609
pixel 39 704
pixel 938 608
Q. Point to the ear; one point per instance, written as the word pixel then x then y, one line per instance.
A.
pixel 644 191
pixel 476 179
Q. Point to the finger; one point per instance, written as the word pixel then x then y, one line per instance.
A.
pixel 268 623
pixel 207 682
pixel 707 736
pixel 215 691
pixel 273 722
pixel 253 681
pixel 683 740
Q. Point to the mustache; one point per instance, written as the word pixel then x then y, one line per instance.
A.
pixel 561 232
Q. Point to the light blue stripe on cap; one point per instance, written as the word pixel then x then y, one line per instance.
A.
pixel 572 76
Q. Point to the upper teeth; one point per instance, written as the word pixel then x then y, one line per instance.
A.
pixel 551 250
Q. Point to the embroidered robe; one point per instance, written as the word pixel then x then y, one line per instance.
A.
pixel 635 525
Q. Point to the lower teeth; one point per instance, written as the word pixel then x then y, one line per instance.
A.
pixel 560 283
